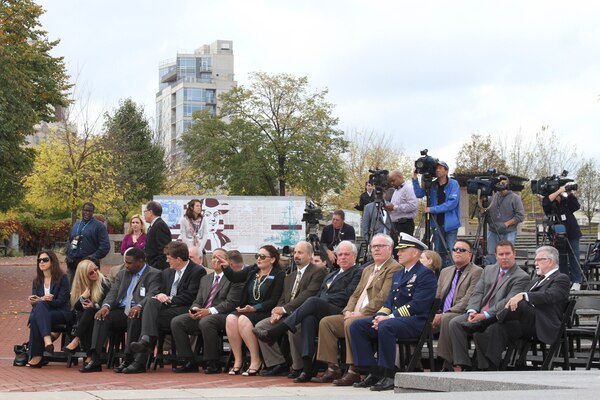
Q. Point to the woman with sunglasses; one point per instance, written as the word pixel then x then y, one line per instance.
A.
pixel 89 289
pixel 262 289
pixel 50 306
pixel 136 236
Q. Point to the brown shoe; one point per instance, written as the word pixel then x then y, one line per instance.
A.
pixel 329 376
pixel 347 380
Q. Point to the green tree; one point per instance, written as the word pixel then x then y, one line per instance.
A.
pixel 68 171
pixel 273 136
pixel 135 165
pixel 478 155
pixel 588 194
pixel 31 82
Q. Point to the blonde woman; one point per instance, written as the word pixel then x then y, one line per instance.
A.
pixel 136 236
pixel 431 260
pixel 87 294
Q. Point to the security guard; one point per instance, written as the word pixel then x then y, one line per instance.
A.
pixel 403 315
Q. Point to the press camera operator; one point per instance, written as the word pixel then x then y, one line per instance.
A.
pixel 444 196
pixel 505 212
pixel 404 205
pixel 335 232
pixel 560 206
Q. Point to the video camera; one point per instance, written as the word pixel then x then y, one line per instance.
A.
pixel 312 215
pixel 486 184
pixel 550 184
pixel 379 178
pixel 426 165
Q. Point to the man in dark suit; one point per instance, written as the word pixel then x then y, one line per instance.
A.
pixel 534 313
pixel 403 315
pixel 216 298
pixel 299 285
pixel 498 283
pixel 455 287
pixel 331 299
pixel 122 307
pixel 367 298
pixel 179 287
pixel 158 236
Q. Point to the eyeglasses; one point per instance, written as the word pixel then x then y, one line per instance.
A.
pixel 460 250
pixel 379 246
pixel 260 256
pixel 44 259
pixel 537 260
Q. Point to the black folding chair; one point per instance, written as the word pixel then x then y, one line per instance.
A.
pixel 410 349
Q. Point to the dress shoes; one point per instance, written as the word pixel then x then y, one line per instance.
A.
pixel 135 368
pixel 212 369
pixel 328 377
pixel 91 367
pixel 294 373
pixel 187 367
pixel 143 346
pixel 124 364
pixel 277 370
pixel 303 378
pixel 49 350
pixel 263 336
pixel 383 384
pixel 349 379
pixel 369 381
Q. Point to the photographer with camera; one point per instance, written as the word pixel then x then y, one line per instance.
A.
pixel 505 212
pixel 404 205
pixel 444 197
pixel 560 206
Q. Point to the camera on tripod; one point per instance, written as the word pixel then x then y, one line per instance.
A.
pixel 426 165
pixel 486 185
pixel 379 179
pixel 312 215
pixel 550 184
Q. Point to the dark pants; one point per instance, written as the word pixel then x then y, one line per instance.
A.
pixel 211 328
pixel 41 319
pixel 157 316
pixel 309 314
pixel 116 320
pixel 85 327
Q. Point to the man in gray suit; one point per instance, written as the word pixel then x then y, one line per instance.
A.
pixel 455 287
pixel 216 298
pixel 122 307
pixel 498 283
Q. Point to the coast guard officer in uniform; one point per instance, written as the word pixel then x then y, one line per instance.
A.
pixel 403 315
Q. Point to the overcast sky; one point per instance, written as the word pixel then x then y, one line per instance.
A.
pixel 429 74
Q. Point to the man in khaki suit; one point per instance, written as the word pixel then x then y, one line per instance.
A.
pixel 368 297
pixel 455 287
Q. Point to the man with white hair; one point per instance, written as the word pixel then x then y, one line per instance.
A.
pixel 534 313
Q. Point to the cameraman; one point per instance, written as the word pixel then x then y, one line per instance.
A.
pixel 444 197
pixel 404 205
pixel 560 206
pixel 335 232
pixel 505 212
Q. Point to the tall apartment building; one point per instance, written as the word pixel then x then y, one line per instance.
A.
pixel 191 82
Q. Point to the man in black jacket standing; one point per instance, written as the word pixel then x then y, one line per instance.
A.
pixel 158 236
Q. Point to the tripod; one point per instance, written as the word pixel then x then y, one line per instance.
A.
pixel 480 245
pixel 425 223
pixel 312 237
pixel 375 223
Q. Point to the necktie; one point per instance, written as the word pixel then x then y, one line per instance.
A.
pixel 175 284
pixel 450 295
pixel 487 303
pixel 213 292
pixel 332 279
pixel 130 290
pixel 537 283
pixel 363 300
pixel 296 284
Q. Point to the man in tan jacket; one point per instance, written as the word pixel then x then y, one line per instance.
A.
pixel 368 297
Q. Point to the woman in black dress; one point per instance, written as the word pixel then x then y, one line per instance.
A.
pixel 264 285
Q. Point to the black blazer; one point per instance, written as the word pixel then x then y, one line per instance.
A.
pixel 342 287
pixel 105 289
pixel 188 285
pixel 150 280
pixel 62 295
pixel 156 239
pixel 549 299
pixel 273 285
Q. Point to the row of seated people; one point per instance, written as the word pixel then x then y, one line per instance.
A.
pixel 380 302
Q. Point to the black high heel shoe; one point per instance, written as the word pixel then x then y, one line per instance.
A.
pixel 251 372
pixel 70 351
pixel 49 350
pixel 235 371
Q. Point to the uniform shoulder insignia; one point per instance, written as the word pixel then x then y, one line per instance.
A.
pixel 413 278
